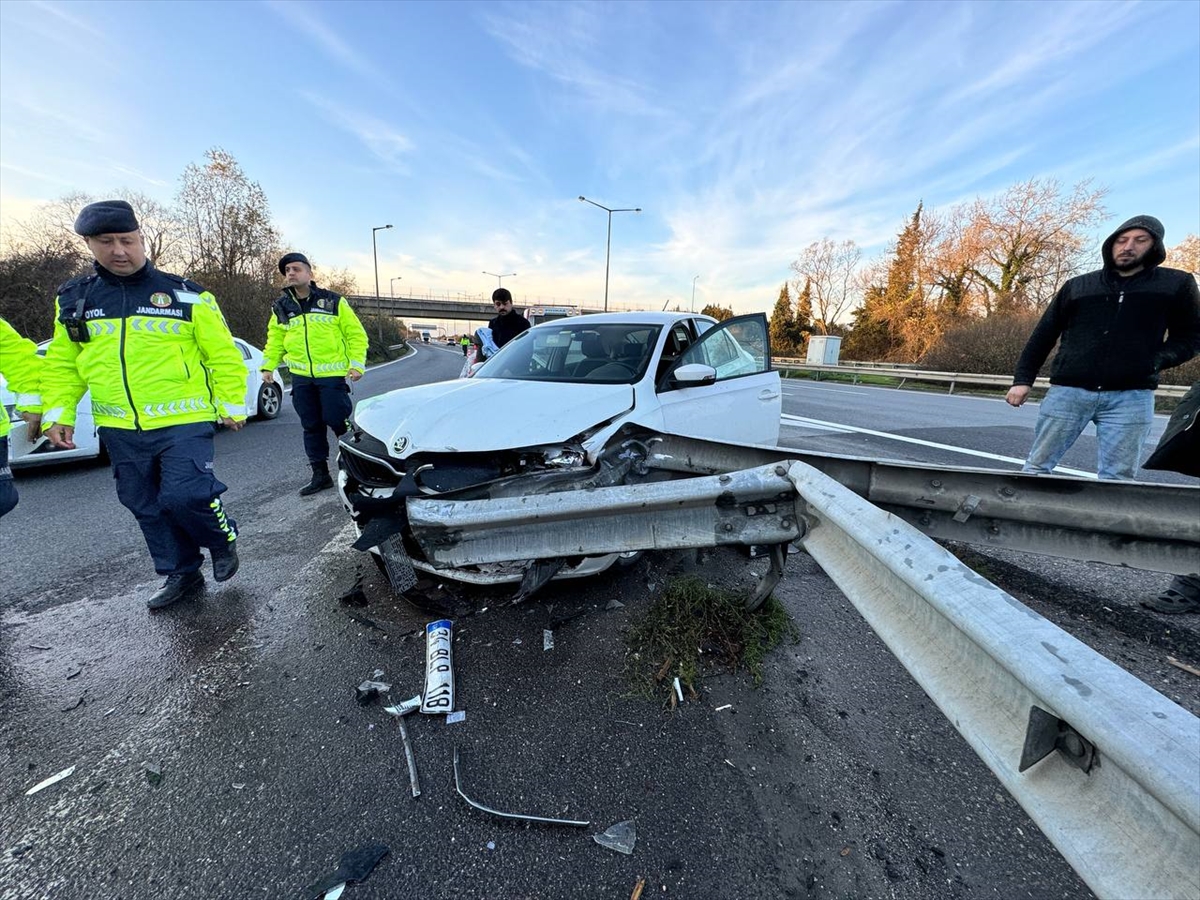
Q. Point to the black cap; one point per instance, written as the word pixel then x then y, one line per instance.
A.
pixel 291 258
pixel 501 294
pixel 106 217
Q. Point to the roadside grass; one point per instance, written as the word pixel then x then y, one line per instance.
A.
pixel 692 630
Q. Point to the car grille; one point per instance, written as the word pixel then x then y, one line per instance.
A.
pixel 362 456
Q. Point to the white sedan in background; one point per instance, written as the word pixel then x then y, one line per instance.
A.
pixel 553 406
pixel 263 401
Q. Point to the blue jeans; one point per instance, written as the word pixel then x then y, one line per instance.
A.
pixel 1123 420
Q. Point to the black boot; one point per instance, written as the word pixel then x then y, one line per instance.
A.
pixel 224 561
pixel 175 588
pixel 320 480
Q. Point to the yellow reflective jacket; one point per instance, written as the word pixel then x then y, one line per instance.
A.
pixel 318 336
pixel 21 368
pixel 158 353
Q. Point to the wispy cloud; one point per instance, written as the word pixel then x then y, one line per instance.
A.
pixel 300 17
pixel 134 173
pixel 385 142
pixel 73 21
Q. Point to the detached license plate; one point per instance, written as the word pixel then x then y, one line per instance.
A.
pixel 439 668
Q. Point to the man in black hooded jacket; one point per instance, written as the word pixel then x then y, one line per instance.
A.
pixel 1110 326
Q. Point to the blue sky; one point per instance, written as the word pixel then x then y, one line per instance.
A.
pixel 745 131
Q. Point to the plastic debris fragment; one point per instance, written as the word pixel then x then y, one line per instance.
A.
pixel 53 779
pixel 369 690
pixel 614 603
pixel 723 708
pixel 154 773
pixel 620 837
pixel 504 815
pixel 412 704
pixel 547 639
pixel 455 717
pixel 334 892
pixel 678 690
pixel 355 867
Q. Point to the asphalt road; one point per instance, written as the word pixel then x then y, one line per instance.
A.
pixel 837 778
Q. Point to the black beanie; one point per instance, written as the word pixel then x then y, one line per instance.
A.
pixel 106 217
pixel 291 258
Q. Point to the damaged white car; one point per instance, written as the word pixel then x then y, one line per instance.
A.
pixel 565 406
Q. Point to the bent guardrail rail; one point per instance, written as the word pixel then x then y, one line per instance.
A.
pixel 1106 766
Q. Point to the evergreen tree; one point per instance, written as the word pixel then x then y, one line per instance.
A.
pixel 783 325
pixel 802 324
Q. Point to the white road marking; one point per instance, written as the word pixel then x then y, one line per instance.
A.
pixel 802 422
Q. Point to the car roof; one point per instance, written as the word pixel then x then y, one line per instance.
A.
pixel 648 317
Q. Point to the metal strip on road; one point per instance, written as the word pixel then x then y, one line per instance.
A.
pixel 1131 825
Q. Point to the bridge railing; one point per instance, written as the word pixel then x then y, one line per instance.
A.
pixel 907 373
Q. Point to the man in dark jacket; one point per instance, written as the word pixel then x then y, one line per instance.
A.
pixel 508 323
pixel 1179 451
pixel 1110 326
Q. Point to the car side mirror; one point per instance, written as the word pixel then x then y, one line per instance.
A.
pixel 694 374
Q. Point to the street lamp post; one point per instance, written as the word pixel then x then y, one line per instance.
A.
pixel 608 243
pixel 694 293
pixel 378 299
pixel 392 285
pixel 500 278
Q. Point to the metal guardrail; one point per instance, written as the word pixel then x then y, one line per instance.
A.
pixel 905 373
pixel 1107 767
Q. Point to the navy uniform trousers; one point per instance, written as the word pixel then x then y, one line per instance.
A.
pixel 165 478
pixel 321 403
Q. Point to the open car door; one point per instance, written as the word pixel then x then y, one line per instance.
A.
pixel 722 388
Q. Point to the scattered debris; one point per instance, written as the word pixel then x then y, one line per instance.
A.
pixel 614 603
pixel 369 690
pixel 53 779
pixel 39 647
pixel 412 704
pixel 539 572
pixel 334 892
pixel 238 786
pixel 664 668
pixel 354 596
pixel 413 780
pixel 109 712
pixel 73 704
pixel 154 773
pixel 723 708
pixel 620 837
pixel 355 867
pixel 377 675
pixel 364 621
pixel 439 670
pixel 1177 664
pixel 637 889
pixel 504 815
pixel 491 845
pixel 547 639
pixel 678 690
pixel 567 617
pixel 20 850
pixel 78 670
pixel 455 717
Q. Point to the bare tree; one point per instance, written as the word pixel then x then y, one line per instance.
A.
pixel 1185 255
pixel 1029 240
pixel 829 269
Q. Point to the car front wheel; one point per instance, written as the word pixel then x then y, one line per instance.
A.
pixel 270 400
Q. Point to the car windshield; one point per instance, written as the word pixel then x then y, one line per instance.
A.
pixel 575 351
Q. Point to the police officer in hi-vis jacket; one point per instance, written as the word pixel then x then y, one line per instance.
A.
pixel 162 368
pixel 22 368
pixel 316 334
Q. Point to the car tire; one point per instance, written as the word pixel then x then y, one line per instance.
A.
pixel 270 401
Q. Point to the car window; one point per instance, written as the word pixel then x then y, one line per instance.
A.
pixel 572 350
pixel 245 350
pixel 734 348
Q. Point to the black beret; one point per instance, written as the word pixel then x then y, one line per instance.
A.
pixel 106 217
pixel 291 258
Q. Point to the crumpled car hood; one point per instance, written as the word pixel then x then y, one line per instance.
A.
pixel 470 415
